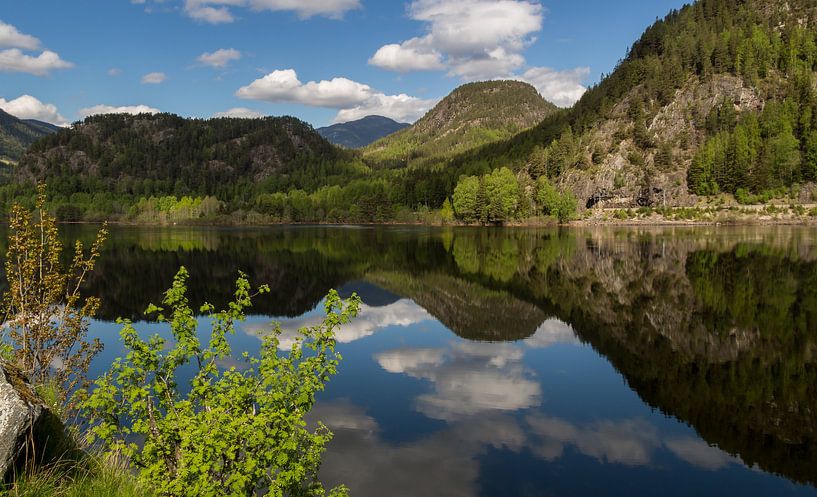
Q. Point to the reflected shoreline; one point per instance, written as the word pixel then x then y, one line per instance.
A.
pixel 715 326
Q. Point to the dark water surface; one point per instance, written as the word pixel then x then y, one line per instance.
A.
pixel 487 362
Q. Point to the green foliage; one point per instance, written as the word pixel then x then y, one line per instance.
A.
pixel 45 317
pixel 90 478
pixel 262 442
pixel 170 209
pixel 553 202
pixel 465 198
pixel 502 191
pixel 769 150
pixel 447 211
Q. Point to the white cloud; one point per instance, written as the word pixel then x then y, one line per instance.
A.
pixel 469 378
pixel 699 453
pixel 154 78
pixel 114 71
pixel 553 331
pixel 403 360
pixel 630 442
pixel 241 112
pixel 219 11
pixel 307 8
pixel 563 88
pixel 220 58
pixel 109 109
pixel 401 108
pixel 28 107
pixel 211 15
pixel 371 320
pixel 284 86
pixel 11 37
pixel 14 60
pixel 474 39
pixel 411 55
pixel 354 100
pixel 480 40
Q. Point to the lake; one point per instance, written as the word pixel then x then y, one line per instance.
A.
pixel 512 362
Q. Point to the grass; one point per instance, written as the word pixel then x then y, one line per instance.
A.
pixel 76 473
pixel 88 478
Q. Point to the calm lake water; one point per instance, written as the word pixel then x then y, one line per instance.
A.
pixel 488 362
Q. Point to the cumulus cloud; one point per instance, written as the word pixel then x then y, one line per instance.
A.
pixel 10 37
pixel 563 88
pixel 154 78
pixel 241 112
pixel 219 11
pixel 220 58
pixel 353 100
pixel 401 108
pixel 411 55
pixel 371 320
pixel 110 109
pixel 14 60
pixel 480 40
pixel 469 378
pixel 28 107
pixel 630 442
pixel 114 71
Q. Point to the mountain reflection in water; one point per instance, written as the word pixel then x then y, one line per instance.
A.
pixel 529 362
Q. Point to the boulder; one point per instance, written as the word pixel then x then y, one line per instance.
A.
pixel 29 431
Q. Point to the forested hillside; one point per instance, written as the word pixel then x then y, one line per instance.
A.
pixel 17 134
pixel 472 115
pixel 718 96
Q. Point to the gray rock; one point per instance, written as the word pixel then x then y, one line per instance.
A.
pixel 29 431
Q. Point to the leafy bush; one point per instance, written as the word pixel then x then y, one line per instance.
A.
pixel 233 432
pixel 45 318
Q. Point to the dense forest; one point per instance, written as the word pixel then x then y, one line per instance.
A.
pixel 717 97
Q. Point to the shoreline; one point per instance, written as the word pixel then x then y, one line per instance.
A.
pixel 580 223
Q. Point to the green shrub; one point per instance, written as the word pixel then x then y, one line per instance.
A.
pixel 260 443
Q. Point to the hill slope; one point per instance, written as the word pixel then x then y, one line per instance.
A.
pixel 164 153
pixel 17 134
pixel 472 115
pixel 357 134
pixel 719 96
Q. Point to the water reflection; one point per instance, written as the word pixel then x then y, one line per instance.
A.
pixel 481 353
pixel 469 378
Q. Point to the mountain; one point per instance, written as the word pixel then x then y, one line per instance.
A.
pixel 718 96
pixel 358 134
pixel 165 154
pixel 43 126
pixel 472 115
pixel 17 134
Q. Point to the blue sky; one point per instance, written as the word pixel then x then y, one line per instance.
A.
pixel 320 60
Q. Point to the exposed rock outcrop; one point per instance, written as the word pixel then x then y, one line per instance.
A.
pixel 29 431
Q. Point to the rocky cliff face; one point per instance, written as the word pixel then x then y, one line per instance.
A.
pixel 625 170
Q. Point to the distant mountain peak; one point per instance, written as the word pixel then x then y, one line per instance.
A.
pixel 362 132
